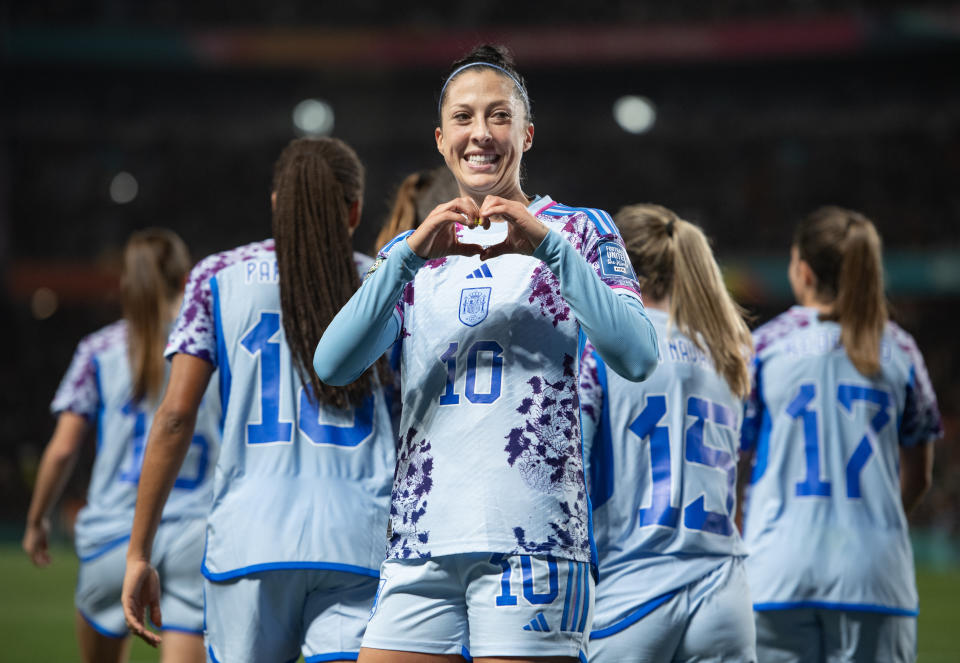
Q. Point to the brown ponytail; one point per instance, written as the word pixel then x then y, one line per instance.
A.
pixel 155 263
pixel 844 252
pixel 316 182
pixel 672 257
pixel 416 197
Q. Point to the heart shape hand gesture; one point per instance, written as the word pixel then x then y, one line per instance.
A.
pixel 524 231
pixel 437 235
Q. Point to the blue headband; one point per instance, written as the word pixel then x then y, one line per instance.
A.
pixel 523 93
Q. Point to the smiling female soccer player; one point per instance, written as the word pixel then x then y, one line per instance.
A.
pixel 841 423
pixel 490 549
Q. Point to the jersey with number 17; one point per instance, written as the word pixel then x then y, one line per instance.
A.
pixel 825 525
pixel 298 485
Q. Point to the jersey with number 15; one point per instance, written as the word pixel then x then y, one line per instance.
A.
pixel 661 468
pixel 298 485
pixel 99 387
pixel 825 525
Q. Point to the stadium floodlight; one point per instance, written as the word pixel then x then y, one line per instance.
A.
pixel 123 188
pixel 313 117
pixel 634 114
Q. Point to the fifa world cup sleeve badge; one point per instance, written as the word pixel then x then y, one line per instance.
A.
pixel 614 261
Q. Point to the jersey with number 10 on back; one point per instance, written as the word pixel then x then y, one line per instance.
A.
pixel 298 485
pixel 99 386
pixel 825 525
pixel 661 469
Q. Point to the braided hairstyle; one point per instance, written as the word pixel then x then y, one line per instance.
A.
pixel 316 181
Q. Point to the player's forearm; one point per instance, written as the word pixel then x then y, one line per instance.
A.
pixel 169 440
pixel 56 465
pixel 367 325
pixel 617 325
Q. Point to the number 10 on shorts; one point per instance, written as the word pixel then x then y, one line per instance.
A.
pixel 560 589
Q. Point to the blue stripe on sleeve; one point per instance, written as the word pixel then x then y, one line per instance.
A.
pixel 223 363
pixel 389 245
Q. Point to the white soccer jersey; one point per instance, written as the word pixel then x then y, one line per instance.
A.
pixel 297 485
pixel 661 469
pixel 490 456
pixel 824 524
pixel 98 386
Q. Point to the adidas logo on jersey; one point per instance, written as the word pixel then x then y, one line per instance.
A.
pixel 538 623
pixel 482 273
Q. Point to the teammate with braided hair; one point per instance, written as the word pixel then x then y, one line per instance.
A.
pixel 295 534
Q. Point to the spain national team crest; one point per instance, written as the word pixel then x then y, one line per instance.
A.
pixel 474 305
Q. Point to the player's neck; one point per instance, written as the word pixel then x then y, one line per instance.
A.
pixel 658 304
pixel 514 193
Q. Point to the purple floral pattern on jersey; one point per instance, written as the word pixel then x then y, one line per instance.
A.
pixel 411 486
pixel 546 451
pixel 78 392
pixel 796 317
pixel 591 391
pixel 435 263
pixel 193 332
pixel 545 292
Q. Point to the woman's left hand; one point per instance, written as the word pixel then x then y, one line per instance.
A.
pixel 524 231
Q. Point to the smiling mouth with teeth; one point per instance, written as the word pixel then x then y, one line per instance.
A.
pixel 481 159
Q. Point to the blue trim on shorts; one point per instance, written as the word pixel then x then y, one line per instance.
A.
pixel 582 657
pixel 180 629
pixel 99 629
pixel 827 605
pixel 105 548
pixel 635 616
pixel 333 656
pixel 210 653
pixel 465 653
pixel 286 566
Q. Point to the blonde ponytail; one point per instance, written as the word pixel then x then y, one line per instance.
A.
pixel 672 257
pixel 155 263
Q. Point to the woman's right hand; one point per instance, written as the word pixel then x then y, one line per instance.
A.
pixel 35 542
pixel 141 590
pixel 437 235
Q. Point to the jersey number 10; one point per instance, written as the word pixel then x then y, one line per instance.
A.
pixel 260 342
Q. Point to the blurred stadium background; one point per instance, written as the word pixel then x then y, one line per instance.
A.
pixel 742 116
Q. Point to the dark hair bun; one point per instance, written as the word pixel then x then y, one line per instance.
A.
pixel 496 55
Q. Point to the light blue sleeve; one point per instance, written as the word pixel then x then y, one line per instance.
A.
pixel 369 323
pixel 606 317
